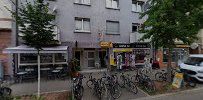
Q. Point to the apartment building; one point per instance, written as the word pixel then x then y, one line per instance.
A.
pixel 97 31
pixel 5 36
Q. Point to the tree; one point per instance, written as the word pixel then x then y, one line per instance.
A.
pixel 36 25
pixel 168 20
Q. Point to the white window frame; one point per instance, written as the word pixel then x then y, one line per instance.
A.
pixel 136 6
pixel 82 24
pixel 111 4
pixel 113 33
pixel 138 27
pixel 86 2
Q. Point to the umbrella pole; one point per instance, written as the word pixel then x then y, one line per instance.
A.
pixel 38 86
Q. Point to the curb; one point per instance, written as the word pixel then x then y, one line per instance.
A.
pixel 167 94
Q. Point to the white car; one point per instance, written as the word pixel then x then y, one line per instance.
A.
pixel 193 66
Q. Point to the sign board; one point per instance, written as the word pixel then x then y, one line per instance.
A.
pixel 123 50
pixel 177 80
pixel 106 44
pixel 131 45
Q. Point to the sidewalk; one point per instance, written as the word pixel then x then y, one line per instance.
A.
pixel 193 94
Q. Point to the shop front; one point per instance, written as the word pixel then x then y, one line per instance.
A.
pixel 129 55
pixel 91 56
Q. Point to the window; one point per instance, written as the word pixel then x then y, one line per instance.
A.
pixel 137 6
pixel 135 27
pixel 177 54
pixel 83 2
pixel 82 24
pixel 112 4
pixel 112 27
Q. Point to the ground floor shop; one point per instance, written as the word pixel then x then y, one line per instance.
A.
pixel 178 54
pixel 129 55
pixel 90 58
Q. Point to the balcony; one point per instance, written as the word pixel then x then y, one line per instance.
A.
pixel 136 36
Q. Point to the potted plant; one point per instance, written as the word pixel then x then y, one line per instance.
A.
pixel 74 67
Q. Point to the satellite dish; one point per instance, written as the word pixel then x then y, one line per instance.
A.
pixel 194 45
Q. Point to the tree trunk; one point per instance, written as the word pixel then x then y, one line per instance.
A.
pixel 169 65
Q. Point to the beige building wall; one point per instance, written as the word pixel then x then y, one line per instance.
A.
pixel 5 16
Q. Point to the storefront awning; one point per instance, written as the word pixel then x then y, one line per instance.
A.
pixel 27 49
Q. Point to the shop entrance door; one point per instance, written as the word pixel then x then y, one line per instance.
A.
pixel 90 59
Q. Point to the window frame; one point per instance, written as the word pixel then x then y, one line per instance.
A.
pixel 83 2
pixel 138 27
pixel 82 25
pixel 137 3
pixel 116 8
pixel 113 33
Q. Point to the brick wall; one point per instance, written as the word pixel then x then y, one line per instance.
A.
pixel 5 41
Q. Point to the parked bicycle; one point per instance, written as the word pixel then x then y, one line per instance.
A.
pixel 144 81
pixel 162 75
pixel 99 88
pixel 78 88
pixel 112 85
pixel 127 83
pixel 90 81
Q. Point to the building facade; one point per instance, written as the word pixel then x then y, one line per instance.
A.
pixel 86 25
pixel 5 37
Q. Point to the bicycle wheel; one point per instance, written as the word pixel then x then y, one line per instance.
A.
pixel 5 91
pixel 89 84
pixel 133 87
pixel 122 82
pixel 159 76
pixel 79 93
pixel 135 78
pixel 115 91
pixel 150 86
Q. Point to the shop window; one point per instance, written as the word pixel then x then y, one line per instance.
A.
pixel 178 54
pixel 46 58
pixel 112 27
pixel 59 57
pixel 28 58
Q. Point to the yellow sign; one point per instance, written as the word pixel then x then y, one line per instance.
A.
pixel 106 44
pixel 112 60
pixel 182 46
pixel 123 50
pixel 177 80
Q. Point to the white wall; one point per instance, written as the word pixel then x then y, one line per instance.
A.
pixel 5 15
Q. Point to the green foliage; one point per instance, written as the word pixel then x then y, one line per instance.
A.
pixel 36 24
pixel 6 97
pixel 169 20
pixel 34 97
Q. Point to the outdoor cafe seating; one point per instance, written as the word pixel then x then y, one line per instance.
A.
pixel 46 72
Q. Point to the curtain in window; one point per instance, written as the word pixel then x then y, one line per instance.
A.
pixel 112 27
pixel 86 24
pixel 78 24
pixel 108 3
pixel 139 7
pixel 115 4
pixel 77 1
pixel 86 1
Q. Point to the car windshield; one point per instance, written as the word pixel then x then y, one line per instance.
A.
pixel 194 61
